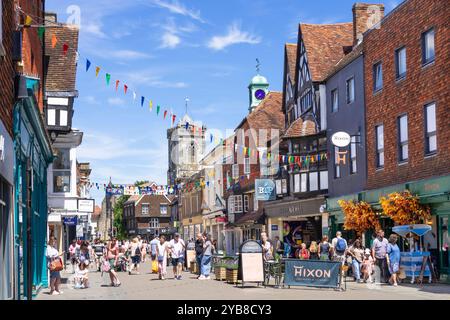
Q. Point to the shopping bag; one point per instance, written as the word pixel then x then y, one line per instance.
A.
pixel 154 266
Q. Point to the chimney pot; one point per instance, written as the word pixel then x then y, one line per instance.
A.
pixel 365 16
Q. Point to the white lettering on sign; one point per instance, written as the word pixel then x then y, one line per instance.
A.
pixel 265 190
pixel 300 271
pixel 341 139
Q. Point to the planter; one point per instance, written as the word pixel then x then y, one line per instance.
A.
pixel 194 267
pixel 232 275
pixel 220 273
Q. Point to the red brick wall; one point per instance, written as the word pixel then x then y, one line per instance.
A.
pixel 7 73
pixel 32 49
pixel 421 86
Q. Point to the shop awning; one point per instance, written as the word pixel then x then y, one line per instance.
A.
pixel 254 217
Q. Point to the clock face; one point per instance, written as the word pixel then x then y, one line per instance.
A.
pixel 260 94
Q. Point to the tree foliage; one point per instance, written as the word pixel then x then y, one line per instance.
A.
pixel 359 216
pixel 118 217
pixel 404 208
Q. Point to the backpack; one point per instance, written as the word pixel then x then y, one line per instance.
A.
pixel 340 245
pixel 137 252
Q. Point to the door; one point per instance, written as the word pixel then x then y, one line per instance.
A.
pixel 444 243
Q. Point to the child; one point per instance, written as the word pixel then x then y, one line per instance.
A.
pixel 81 276
pixel 367 266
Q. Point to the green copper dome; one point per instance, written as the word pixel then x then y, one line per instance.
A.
pixel 259 80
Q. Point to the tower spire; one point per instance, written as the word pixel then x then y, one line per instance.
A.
pixel 258 66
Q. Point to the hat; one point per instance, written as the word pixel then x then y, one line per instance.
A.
pixel 367 252
pixel 176 234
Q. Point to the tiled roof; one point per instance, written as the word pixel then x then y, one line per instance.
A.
pixel 291 55
pixel 301 128
pixel 356 52
pixel 133 199
pixel 62 68
pixel 268 115
pixel 326 45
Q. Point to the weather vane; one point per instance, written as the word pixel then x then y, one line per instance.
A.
pixel 258 65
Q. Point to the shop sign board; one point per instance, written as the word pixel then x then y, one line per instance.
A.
pixel 312 273
pixel 86 205
pixel 80 231
pixel 265 190
pixel 70 221
pixel 341 139
pixel 251 263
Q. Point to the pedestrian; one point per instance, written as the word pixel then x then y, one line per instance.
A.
pixel 143 250
pixel 367 266
pixel 72 254
pixel 303 252
pixel 313 251
pixel 162 249
pixel 177 250
pixel 135 254
pixel 267 247
pixel 324 249
pixel 199 253
pixel 339 248
pixel 112 255
pixel 99 250
pixel 153 247
pixel 55 265
pixel 208 250
pixel 81 275
pixel 393 259
pixel 356 251
pixel 379 251
pixel 279 247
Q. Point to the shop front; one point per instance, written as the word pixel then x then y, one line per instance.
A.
pixel 252 224
pixel 214 224
pixel 296 222
pixel 191 226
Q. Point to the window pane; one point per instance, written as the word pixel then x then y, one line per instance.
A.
pixel 403 128
pixel 432 143
pixel 431 118
pixel 62 160
pixel 51 114
pixel 353 147
pixel 378 76
pixel 380 137
pixel 401 61
pixel 313 181
pixel 278 186
pixel 429 45
pixel 303 187
pixel 297 183
pixel 404 152
pixel 350 90
pixel 63 117
pixel 354 168
pixel 61 181
pixel 335 100
pixel 323 180
pixel 381 159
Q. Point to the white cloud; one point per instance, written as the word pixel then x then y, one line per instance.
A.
pixel 90 100
pixel 93 29
pixel 116 101
pixel 234 36
pixel 170 40
pixel 129 54
pixel 178 8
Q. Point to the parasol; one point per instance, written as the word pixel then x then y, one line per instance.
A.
pixel 417 229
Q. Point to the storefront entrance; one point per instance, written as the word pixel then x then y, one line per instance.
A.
pixel 303 230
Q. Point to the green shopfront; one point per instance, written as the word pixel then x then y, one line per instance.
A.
pixel 32 157
pixel 434 192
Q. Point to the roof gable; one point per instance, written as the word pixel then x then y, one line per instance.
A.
pixel 325 45
pixel 291 58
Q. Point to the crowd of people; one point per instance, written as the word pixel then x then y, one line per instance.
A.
pixel 380 261
pixel 113 256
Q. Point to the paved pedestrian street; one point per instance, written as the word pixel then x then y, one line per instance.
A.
pixel 146 286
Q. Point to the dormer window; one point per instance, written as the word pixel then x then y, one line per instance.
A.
pixel 59 114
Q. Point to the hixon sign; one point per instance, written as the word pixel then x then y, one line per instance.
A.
pixel 312 273
pixel 265 189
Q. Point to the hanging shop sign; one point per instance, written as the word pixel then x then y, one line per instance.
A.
pixel 70 221
pixel 251 263
pixel 265 190
pixel 341 139
pixel 86 205
pixel 312 273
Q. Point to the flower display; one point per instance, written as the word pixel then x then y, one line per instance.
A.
pixel 359 216
pixel 404 208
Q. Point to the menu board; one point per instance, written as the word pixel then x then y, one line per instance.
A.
pixel 190 256
pixel 252 269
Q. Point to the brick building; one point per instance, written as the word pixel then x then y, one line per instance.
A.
pixel 148 215
pixel 406 66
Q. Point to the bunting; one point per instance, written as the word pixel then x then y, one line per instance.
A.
pixel 142 101
pixel 97 71
pixel 54 41
pixel 65 48
pixel 125 88
pixel 88 65
pixel 117 84
pixel 108 78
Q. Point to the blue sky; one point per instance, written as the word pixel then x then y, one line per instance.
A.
pixel 167 50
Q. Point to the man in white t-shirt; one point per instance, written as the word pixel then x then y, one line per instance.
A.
pixel 177 249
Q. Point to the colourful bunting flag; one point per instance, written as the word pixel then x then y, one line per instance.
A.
pixel 187 126
pixel 150 105
pixel 158 108
pixel 41 32
pixel 125 88
pixel 211 138
pixel 88 65
pixel 117 84
pixel 173 119
pixel 97 71
pixel 54 41
pixel 28 21
pixel 65 48
pixel 142 101
pixel 134 96
pixel 165 114
pixel 108 78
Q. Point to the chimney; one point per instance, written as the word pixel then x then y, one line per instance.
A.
pixel 365 16
pixel 51 17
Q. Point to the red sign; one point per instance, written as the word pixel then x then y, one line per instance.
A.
pixel 221 219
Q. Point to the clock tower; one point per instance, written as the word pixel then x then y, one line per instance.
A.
pixel 258 89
